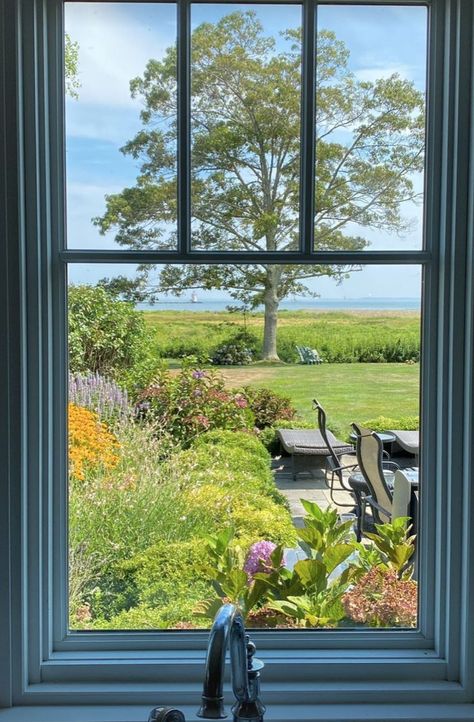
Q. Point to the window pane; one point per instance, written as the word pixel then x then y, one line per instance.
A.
pixel 370 127
pixel 121 125
pixel 173 444
pixel 246 88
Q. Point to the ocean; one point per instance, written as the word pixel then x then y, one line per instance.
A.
pixel 312 304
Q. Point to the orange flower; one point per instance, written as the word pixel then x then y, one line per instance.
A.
pixel 91 444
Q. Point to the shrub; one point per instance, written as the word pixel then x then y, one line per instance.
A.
pixel 92 448
pixel 192 402
pixel 107 336
pixel 239 350
pixel 267 406
pixel 382 423
pixel 137 531
pixel 381 599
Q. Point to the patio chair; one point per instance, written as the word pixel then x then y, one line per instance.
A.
pixel 336 483
pixel 386 503
pixel 308 355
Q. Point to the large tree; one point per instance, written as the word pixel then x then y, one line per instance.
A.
pixel 246 91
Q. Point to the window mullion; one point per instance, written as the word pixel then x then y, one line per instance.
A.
pixel 308 122
pixel 184 125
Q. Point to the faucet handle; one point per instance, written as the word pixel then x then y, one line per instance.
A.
pixel 166 714
pixel 253 664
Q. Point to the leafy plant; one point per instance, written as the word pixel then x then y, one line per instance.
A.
pixel 312 593
pixel 267 406
pixel 192 402
pixel 382 423
pixel 229 578
pixel 107 336
pixel 238 350
pixel 393 548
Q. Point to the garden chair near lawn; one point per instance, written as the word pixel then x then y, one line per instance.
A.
pixel 308 355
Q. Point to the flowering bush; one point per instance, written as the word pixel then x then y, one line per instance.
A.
pixel 239 350
pixel 268 406
pixel 192 402
pixel 381 599
pixel 100 395
pixel 91 445
pixel 259 558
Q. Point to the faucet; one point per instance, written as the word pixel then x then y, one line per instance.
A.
pixel 228 630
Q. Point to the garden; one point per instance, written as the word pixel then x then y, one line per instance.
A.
pixel 173 507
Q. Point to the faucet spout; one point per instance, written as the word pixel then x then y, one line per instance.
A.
pixel 228 630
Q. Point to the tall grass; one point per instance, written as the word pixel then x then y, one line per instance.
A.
pixel 339 337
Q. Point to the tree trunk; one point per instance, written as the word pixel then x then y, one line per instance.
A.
pixel 271 303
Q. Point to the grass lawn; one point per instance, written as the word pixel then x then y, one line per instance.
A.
pixel 349 392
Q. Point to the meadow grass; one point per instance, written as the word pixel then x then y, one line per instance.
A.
pixel 339 336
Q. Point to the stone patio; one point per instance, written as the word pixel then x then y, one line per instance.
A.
pixel 312 486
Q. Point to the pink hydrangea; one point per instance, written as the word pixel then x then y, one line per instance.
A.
pixel 381 599
pixel 259 558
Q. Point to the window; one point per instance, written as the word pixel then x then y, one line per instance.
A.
pixel 429 667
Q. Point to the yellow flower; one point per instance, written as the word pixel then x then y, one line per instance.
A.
pixel 91 444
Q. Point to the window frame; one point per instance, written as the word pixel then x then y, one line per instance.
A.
pixel 336 670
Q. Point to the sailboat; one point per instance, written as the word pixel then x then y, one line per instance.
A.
pixel 194 298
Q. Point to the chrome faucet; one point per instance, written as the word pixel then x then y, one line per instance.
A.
pixel 229 630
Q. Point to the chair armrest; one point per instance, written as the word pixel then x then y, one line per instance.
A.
pixel 390 465
pixel 371 501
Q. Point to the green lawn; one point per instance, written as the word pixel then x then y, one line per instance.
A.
pixel 349 392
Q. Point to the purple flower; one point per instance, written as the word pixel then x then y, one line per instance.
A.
pixel 198 374
pixel 259 558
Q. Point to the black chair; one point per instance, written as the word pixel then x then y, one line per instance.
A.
pixel 336 483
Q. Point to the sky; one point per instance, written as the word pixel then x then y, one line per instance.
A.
pixel 116 40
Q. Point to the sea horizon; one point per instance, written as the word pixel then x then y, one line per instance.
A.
pixel 368 303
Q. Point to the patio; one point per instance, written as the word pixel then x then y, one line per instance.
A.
pixel 312 486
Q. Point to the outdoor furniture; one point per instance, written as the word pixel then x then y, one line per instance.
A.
pixel 409 441
pixel 390 492
pixel 308 448
pixel 334 466
pixel 308 355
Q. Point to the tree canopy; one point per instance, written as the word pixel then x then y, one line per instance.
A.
pixel 245 186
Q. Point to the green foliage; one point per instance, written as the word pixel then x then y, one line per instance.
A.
pixel 239 350
pixel 137 534
pixel 71 59
pixel 225 571
pixel 108 337
pixel 268 406
pixel 393 548
pixel 340 337
pixel 191 402
pixel 382 423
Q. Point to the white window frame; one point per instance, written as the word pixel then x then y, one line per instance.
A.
pixel 421 674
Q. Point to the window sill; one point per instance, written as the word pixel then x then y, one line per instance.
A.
pixel 274 713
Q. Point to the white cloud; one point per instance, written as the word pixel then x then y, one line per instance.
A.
pixel 105 123
pixel 371 74
pixel 115 43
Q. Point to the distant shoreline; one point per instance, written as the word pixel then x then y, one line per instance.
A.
pixel 308 305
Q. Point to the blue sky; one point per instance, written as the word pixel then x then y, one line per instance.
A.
pixel 115 42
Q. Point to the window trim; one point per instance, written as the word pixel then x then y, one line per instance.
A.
pixel 434 666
